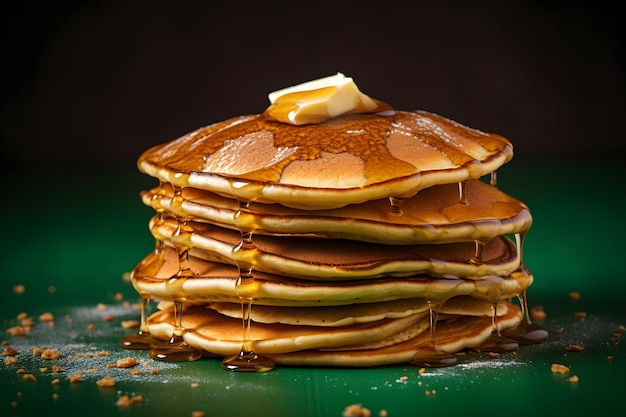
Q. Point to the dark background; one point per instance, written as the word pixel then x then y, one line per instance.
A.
pixel 90 85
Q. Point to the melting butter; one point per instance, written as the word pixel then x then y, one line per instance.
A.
pixel 318 100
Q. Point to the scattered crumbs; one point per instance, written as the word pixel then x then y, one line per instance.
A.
pixel 76 377
pixel 106 382
pixel 382 413
pixel 135 372
pixel 109 317
pixel 621 328
pixel 119 296
pixel 403 379
pixel 9 351
pixel 16 331
pixel 90 326
pixel 126 401
pixel 356 410
pixel 19 289
pixel 52 289
pixel 27 322
pixel 430 392
pixel 130 324
pixel 194 385
pixel 492 355
pixel 154 371
pixel 197 414
pixel 29 377
pixel 580 314
pixel 10 360
pixel 538 313
pixel 101 306
pixel 127 362
pixel 56 369
pixel 575 348
pixel 111 366
pixel 55 396
pixel 43 370
pixel 609 358
pixel 22 316
pixel 573 379
pixel 51 354
pixel 558 368
pixel 20 371
pixel 574 295
pixel 56 381
pixel 559 331
pixel 422 370
pixel 46 317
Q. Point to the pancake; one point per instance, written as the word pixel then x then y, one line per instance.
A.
pixel 216 281
pixel 346 160
pixel 351 345
pixel 337 259
pixel 434 215
pixel 356 313
pixel 332 230
pixel 453 335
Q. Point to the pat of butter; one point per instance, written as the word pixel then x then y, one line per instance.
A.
pixel 318 100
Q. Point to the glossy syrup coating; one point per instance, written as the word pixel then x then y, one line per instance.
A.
pixel 345 160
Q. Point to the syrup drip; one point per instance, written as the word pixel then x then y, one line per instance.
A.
pixel 496 342
pixel 477 259
pixel 246 287
pixel 431 357
pixel 527 332
pixel 493 180
pixel 143 340
pixel 176 349
pixel 396 205
pixel 463 193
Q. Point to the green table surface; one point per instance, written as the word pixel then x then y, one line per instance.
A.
pixel 70 237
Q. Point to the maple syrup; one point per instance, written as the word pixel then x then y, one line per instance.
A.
pixel 430 356
pixel 176 349
pixel 246 288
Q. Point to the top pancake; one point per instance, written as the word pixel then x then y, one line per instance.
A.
pixel 346 160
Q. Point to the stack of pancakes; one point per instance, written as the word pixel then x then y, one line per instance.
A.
pixel 369 238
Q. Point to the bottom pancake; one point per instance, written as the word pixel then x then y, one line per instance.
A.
pixel 373 343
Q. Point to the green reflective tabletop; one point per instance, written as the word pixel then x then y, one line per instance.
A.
pixel 69 239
